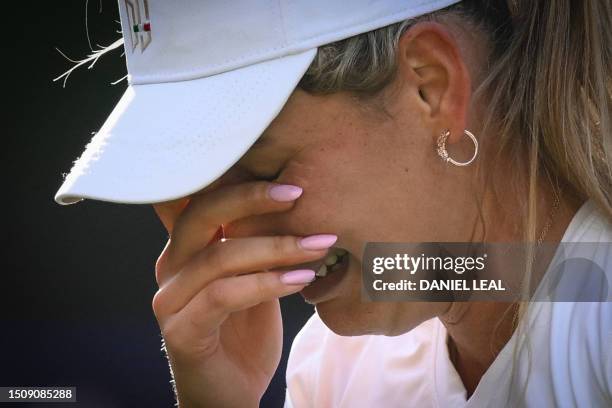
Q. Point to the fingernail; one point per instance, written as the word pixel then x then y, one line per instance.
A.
pixel 317 242
pixel 298 277
pixel 284 192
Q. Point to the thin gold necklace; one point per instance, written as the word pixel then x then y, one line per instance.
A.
pixel 451 346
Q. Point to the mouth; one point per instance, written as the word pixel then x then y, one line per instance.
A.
pixel 331 263
pixel 329 273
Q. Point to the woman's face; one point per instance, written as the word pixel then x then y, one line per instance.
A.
pixel 367 175
pixel 370 172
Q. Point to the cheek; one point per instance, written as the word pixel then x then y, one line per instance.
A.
pixel 342 182
pixel 318 173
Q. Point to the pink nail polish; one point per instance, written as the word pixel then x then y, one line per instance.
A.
pixel 284 192
pixel 318 242
pixel 298 277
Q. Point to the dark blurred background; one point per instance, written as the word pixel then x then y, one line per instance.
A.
pixel 78 281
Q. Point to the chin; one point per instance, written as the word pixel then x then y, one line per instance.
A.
pixel 349 319
pixel 368 318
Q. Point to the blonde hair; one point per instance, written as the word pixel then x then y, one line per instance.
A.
pixel 548 91
pixel 549 83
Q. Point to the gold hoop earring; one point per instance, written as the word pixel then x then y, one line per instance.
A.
pixel 443 153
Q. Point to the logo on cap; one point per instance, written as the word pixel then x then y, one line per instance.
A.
pixel 138 17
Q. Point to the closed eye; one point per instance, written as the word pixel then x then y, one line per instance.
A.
pixel 268 177
pixel 259 175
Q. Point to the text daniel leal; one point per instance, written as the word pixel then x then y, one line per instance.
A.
pixel 450 284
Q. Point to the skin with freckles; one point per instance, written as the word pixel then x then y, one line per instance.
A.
pixel 369 172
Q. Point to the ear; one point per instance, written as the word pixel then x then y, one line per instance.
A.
pixel 430 60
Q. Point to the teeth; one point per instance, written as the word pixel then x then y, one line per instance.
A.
pixel 331 262
pixel 331 259
pixel 322 271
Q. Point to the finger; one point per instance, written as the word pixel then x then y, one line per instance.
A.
pixel 207 310
pixel 163 272
pixel 237 256
pixel 259 225
pixel 169 211
pixel 201 218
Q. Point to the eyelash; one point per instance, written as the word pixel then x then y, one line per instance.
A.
pixel 269 178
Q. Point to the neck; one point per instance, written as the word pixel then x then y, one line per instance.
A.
pixel 477 331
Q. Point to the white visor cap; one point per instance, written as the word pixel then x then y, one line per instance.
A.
pixel 206 78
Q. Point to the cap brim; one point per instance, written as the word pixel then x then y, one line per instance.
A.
pixel 168 140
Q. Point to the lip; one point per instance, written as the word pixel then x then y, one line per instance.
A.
pixel 322 289
pixel 315 265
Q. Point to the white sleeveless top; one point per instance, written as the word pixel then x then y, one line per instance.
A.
pixel 570 363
